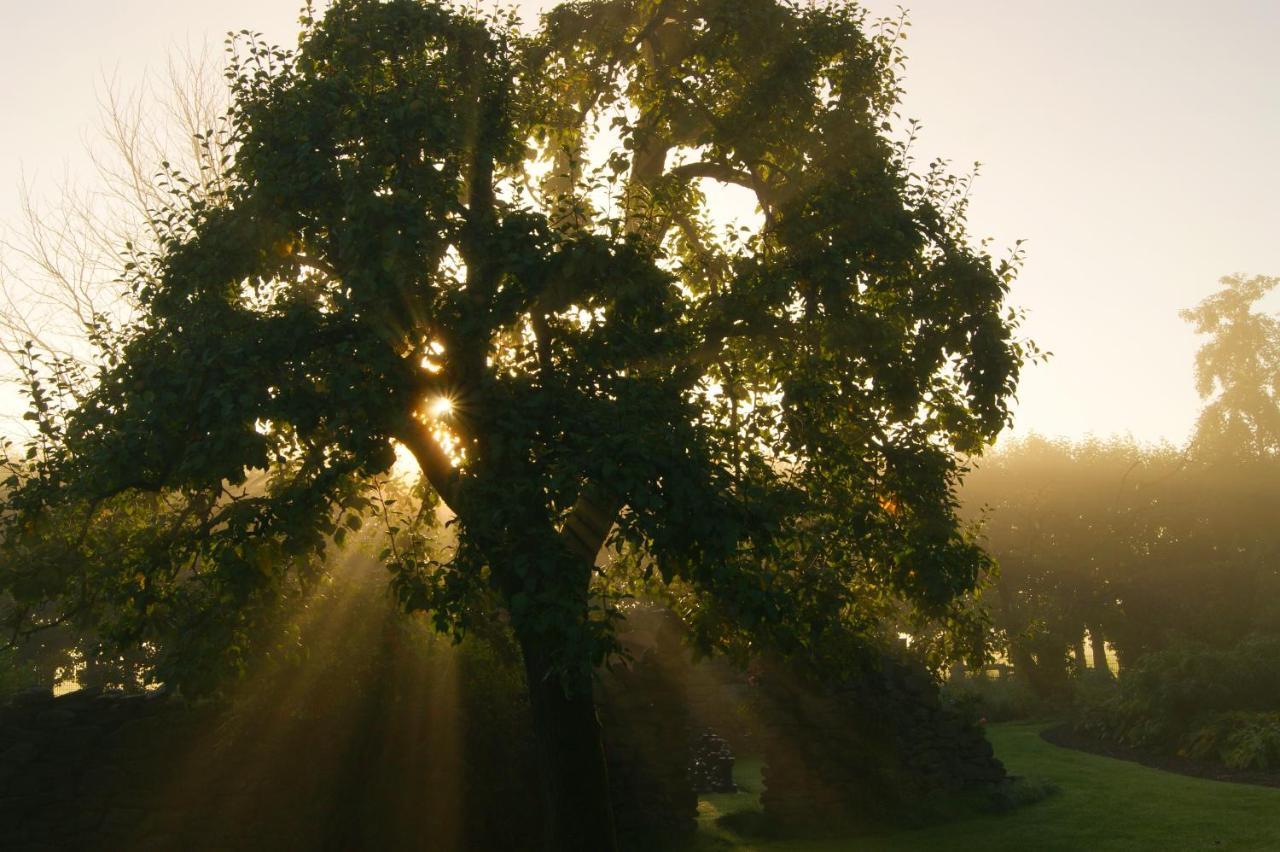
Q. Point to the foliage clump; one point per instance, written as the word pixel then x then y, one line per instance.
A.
pixel 1195 701
pixel 978 697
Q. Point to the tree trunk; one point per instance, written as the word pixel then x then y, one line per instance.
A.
pixel 577 809
pixel 1078 647
pixel 578 813
pixel 1099 646
pixel 570 746
pixel 1024 665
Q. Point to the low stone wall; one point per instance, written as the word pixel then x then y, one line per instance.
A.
pixel 77 772
pixel 109 771
pixel 123 772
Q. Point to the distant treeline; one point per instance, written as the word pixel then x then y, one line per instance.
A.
pixel 1137 547
pixel 1145 547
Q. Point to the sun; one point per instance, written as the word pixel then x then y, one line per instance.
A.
pixel 440 407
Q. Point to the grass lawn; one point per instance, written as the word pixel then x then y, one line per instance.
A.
pixel 1104 804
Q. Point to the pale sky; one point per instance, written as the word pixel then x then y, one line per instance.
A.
pixel 1132 144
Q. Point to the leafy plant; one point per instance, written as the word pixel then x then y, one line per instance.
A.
pixel 1194 700
pixel 1239 739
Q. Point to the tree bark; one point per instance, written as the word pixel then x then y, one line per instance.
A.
pixel 577 810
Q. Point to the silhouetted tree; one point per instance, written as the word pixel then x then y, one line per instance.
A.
pixel 1205 567
pixel 1238 371
pixel 501 252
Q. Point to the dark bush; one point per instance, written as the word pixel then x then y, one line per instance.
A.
pixel 978 697
pixel 1239 739
pixel 1017 792
pixel 1220 704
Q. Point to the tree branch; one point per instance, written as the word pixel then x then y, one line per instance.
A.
pixel 585 530
pixel 432 459
pixel 716 171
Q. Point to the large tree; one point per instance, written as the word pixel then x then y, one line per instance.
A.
pixel 510 255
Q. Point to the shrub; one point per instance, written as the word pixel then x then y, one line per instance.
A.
pixel 1096 707
pixel 978 697
pixel 1018 791
pixel 1239 739
pixel 1194 700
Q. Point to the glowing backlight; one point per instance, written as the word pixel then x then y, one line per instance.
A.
pixel 440 407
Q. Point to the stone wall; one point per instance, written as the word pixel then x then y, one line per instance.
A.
pixel 76 772
pixel 385 772
pixel 108 771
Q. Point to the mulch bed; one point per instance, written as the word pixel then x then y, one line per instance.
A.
pixel 1065 737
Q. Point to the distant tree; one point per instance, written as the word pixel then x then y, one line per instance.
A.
pixel 1145 545
pixel 1063 522
pixel 502 253
pixel 1238 370
pixel 1206 566
pixel 1207 571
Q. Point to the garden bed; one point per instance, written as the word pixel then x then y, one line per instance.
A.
pixel 1065 736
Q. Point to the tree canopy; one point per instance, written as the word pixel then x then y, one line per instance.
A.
pixel 514 255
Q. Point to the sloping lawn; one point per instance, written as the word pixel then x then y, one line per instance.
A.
pixel 1104 804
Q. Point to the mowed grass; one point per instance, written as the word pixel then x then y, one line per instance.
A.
pixel 1103 804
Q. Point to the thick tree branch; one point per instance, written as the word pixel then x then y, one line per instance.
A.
pixel 542 337
pixel 592 516
pixel 716 265
pixel 432 459
pixel 690 365
pixel 716 171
